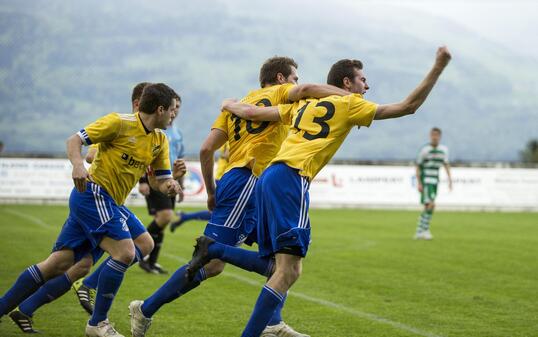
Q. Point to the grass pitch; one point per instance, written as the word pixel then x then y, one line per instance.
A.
pixel 364 276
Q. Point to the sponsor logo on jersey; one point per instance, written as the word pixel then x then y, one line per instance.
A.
pixel 132 162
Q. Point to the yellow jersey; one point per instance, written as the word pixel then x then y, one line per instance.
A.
pixel 126 149
pixel 222 161
pixel 252 144
pixel 318 128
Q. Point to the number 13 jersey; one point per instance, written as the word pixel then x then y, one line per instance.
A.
pixel 318 128
pixel 253 144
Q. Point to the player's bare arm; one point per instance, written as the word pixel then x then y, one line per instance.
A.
pixel 411 104
pixel 90 156
pixel 301 91
pixel 80 174
pixel 448 173
pixel 252 112
pixel 418 173
pixel 216 139
pixel 169 186
pixel 179 169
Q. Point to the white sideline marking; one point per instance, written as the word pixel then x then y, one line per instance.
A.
pixel 28 217
pixel 329 304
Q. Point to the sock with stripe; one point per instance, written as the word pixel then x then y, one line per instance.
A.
pixel 242 258
pixel 201 215
pixel 176 286
pixel 427 219
pixel 92 280
pixel 110 280
pixel 266 305
pixel 51 290
pixel 277 315
pixel 26 284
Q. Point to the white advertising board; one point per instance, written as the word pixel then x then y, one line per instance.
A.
pixel 33 180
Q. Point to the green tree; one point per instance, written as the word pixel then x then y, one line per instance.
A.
pixel 530 153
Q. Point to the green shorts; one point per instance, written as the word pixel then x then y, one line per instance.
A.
pixel 429 192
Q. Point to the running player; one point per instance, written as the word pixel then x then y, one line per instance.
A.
pixel 430 158
pixel 160 206
pixel 85 290
pixel 98 220
pixel 319 126
pixel 205 215
pixel 252 146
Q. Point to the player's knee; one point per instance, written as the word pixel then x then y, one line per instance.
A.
pixel 163 217
pixel 126 255
pixel 214 268
pixel 144 243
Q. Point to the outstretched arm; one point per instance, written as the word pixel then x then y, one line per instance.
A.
pixel 421 92
pixel 213 142
pixel 251 112
pixel 301 91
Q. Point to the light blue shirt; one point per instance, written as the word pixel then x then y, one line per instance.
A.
pixel 175 142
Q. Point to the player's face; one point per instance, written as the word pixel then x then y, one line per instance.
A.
pixel 435 138
pixel 176 111
pixel 358 85
pixel 166 116
pixel 293 77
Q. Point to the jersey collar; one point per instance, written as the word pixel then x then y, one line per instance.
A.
pixel 141 124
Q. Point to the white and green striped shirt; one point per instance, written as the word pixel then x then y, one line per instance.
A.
pixel 430 159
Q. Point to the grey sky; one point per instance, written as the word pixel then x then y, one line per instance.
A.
pixel 513 23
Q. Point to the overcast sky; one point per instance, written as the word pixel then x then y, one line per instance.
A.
pixel 513 24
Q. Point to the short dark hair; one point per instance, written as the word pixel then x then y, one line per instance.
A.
pixel 436 129
pixel 154 96
pixel 137 91
pixel 273 66
pixel 176 96
pixel 342 69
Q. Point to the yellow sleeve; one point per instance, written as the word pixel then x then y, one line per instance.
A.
pixel 284 92
pixel 103 130
pixel 286 113
pixel 161 164
pixel 221 122
pixel 361 111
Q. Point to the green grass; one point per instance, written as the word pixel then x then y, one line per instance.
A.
pixel 364 276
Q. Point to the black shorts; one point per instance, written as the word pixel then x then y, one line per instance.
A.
pixel 157 202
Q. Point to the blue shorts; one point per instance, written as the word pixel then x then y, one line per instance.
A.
pixel 93 215
pixel 233 221
pixel 282 202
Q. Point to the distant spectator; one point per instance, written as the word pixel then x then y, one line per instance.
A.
pixel 1 147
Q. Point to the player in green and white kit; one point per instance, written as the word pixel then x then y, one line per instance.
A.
pixel 430 158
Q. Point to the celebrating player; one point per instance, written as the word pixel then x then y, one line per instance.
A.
pixel 85 289
pixel 98 219
pixel 319 126
pixel 252 147
pixel 430 158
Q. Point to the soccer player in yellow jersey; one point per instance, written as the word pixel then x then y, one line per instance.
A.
pixel 318 128
pixel 252 147
pixel 84 289
pixel 97 220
